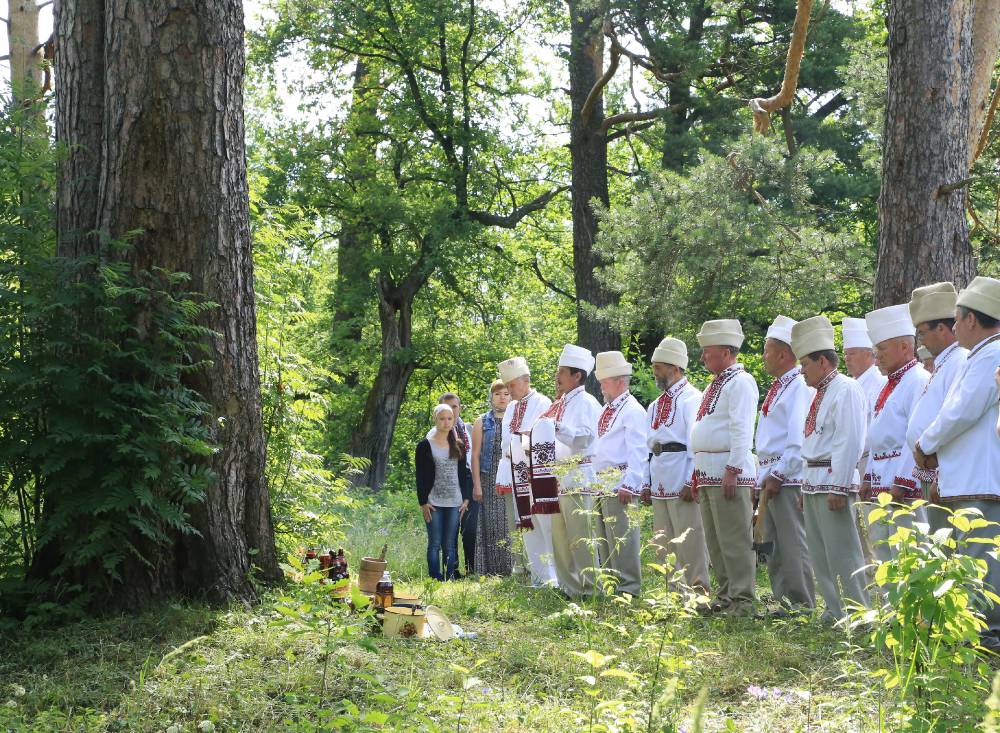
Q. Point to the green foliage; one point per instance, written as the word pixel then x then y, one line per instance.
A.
pixel 102 441
pixel 926 619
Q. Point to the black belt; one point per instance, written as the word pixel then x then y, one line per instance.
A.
pixel 818 464
pixel 659 448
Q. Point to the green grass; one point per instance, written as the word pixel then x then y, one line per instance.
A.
pixel 239 669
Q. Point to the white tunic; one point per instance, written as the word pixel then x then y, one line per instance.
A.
pixel 575 415
pixel 947 366
pixel 779 429
pixel 518 419
pixel 964 433
pixel 723 430
pixel 621 443
pixel 834 436
pixel 670 419
pixel 890 462
pixel 871 382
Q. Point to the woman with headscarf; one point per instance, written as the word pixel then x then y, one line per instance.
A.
pixel 492 554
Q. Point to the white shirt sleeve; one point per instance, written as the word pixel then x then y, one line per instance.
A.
pixel 848 439
pixel 790 466
pixel 966 403
pixel 742 411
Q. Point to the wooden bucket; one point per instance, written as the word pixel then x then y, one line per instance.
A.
pixel 370 573
pixel 403 622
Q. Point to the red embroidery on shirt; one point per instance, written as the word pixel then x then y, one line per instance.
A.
pixel 894 380
pixel 556 410
pixel 519 410
pixel 776 390
pixel 608 416
pixel 711 397
pixel 665 412
pixel 817 401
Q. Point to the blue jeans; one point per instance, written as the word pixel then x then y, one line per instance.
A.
pixel 442 530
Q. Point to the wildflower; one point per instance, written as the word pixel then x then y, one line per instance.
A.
pixel 18 690
pixel 758 692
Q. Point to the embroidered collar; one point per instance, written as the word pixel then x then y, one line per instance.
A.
pixel 894 379
pixel 817 401
pixel 519 411
pixel 558 408
pixel 941 358
pixel 610 413
pixel 983 344
pixel 665 411
pixel 710 399
pixel 778 388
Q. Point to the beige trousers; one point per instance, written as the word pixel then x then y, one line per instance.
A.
pixel 618 544
pixel 574 545
pixel 730 544
pixel 671 519
pixel 788 564
pixel 835 550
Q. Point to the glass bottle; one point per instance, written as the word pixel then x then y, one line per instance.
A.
pixel 384 594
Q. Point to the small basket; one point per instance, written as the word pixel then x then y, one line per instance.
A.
pixel 403 622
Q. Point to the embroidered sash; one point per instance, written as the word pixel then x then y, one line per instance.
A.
pixel 541 456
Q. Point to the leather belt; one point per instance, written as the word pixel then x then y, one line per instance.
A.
pixel 659 448
pixel 819 464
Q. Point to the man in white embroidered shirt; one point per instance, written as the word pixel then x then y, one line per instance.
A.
pixel 724 470
pixel 779 476
pixel 833 440
pixel 619 452
pixel 575 414
pixel 890 461
pixel 961 442
pixel 525 407
pixel 670 419
pixel 932 309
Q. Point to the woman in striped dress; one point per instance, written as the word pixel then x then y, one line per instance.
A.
pixel 492 555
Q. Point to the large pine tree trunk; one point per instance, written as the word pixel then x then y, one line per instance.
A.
pixel 923 233
pixel 373 436
pixel 150 109
pixel 589 157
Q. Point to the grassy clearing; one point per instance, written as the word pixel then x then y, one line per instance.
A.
pixel 184 667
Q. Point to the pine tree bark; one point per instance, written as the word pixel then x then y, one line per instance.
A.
pixel 589 158
pixel 150 109
pixel 923 233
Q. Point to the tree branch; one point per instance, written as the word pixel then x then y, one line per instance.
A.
pixel 595 94
pixel 618 119
pixel 831 106
pixel 762 107
pixel 511 220
pixel 630 130
pixel 547 283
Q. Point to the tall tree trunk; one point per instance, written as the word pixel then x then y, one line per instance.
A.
pixel 373 436
pixel 150 109
pixel 22 43
pixel 589 157
pixel 923 233
pixel 985 47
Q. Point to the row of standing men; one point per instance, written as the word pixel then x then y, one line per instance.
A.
pixel 823 441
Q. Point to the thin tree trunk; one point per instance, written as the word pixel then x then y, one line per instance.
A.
pixel 589 158
pixel 373 436
pixel 985 47
pixel 22 42
pixel 923 233
pixel 151 112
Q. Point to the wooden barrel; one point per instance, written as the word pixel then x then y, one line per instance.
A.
pixel 369 573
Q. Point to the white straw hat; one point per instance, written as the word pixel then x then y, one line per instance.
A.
pixel 672 351
pixel 577 357
pixel 723 332
pixel 781 329
pixel 983 295
pixel 932 303
pixel 513 368
pixel 812 335
pixel 856 334
pixel 889 323
pixel 612 364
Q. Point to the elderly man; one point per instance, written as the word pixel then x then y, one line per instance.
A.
pixel 619 456
pixel 513 476
pixel 670 420
pixel 932 309
pixel 575 416
pixel 724 469
pixel 961 441
pixel 779 477
pixel 890 462
pixel 833 439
